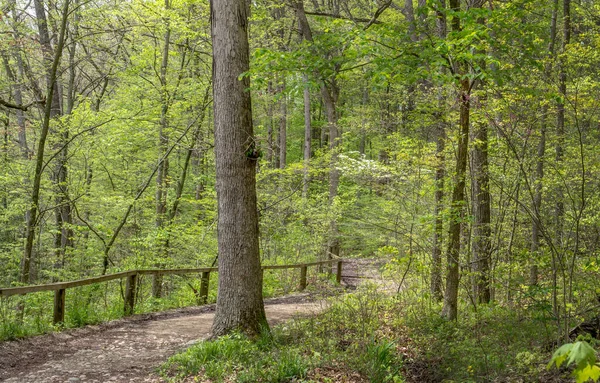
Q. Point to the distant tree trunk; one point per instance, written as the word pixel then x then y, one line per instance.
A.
pixel 482 246
pixel 329 94
pixel 270 122
pixel 18 96
pixel 307 136
pixel 283 128
pixel 239 300
pixel 363 125
pixel 49 110
pixel 539 174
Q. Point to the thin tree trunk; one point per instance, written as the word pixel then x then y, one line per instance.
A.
pixel 270 122
pixel 163 170
pixel 329 93
pixel 440 174
pixel 541 150
pixel 239 301
pixel 49 111
pixel 482 245
pixel 450 308
pixel 307 136
pixel 283 128
pixel 18 96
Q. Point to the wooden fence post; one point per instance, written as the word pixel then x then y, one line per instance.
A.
pixel 338 276
pixel 303 271
pixel 59 306
pixel 205 279
pixel 130 287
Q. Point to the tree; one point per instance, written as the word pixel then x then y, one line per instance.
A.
pixel 239 303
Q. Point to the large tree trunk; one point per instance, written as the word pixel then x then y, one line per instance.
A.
pixel 239 300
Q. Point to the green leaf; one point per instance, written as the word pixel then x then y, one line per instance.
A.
pixel 591 371
pixel 582 354
pixel 560 355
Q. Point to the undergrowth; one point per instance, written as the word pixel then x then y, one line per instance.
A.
pixel 347 342
pixel 381 338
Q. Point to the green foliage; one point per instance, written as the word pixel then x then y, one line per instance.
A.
pixel 583 358
pixel 295 350
pixel 262 360
pixel 381 362
pixel 493 343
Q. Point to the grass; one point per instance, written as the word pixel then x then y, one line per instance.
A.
pixel 371 337
pixel 342 344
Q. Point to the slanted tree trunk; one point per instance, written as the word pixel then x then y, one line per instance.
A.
pixel 239 301
pixel 49 110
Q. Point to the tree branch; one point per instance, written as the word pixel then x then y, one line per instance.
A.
pixel 360 20
pixel 378 13
pixel 24 108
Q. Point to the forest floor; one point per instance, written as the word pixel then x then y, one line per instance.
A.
pixel 131 349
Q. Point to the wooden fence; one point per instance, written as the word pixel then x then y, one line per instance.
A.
pixel 131 276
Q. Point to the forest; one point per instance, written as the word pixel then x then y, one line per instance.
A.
pixel 446 148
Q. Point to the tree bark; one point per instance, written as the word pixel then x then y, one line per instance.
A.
pixel 482 245
pixel 450 308
pixel 440 174
pixel 283 128
pixel 163 170
pixel 307 136
pixel 239 300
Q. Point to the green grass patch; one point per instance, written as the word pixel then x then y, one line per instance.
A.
pixel 349 337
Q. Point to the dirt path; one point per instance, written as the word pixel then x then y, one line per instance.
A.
pixel 130 350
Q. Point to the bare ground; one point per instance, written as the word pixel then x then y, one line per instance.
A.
pixel 130 350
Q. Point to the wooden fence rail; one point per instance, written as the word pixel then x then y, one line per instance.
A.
pixel 131 276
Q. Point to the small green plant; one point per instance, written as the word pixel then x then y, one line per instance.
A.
pixel 382 364
pixel 237 357
pixel 582 356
